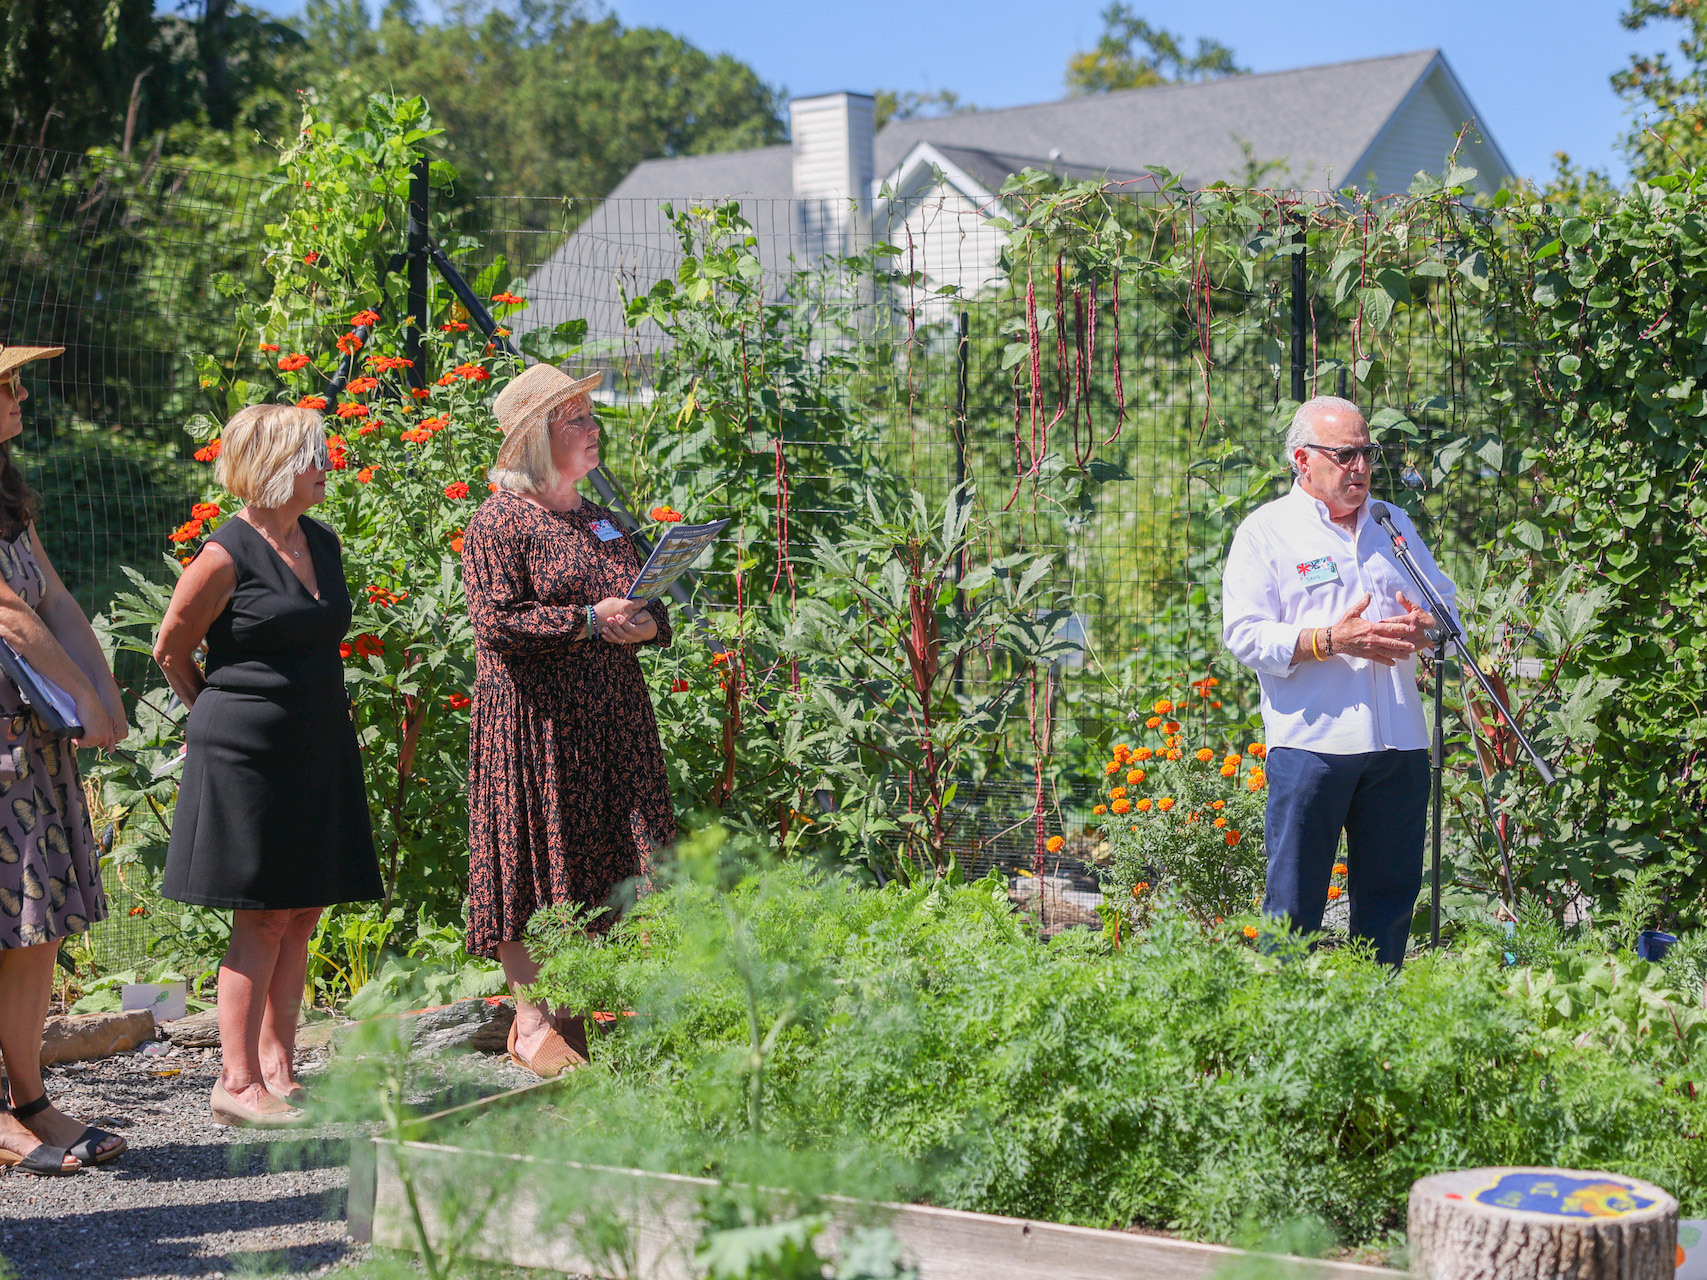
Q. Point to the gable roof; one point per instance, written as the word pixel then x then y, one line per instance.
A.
pixel 1320 120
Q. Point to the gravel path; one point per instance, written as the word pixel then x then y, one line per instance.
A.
pixel 191 1198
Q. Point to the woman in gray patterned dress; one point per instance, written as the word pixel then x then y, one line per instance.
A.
pixel 50 882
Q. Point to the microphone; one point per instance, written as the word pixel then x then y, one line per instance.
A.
pixel 1379 512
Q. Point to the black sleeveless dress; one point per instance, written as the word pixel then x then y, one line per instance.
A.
pixel 272 812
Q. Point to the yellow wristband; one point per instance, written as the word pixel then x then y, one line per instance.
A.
pixel 1314 635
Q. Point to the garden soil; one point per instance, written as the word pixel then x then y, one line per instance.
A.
pixel 190 1198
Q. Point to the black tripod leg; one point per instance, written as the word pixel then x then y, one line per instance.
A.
pixel 1438 765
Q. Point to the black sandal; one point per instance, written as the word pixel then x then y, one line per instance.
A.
pixel 43 1161
pixel 85 1149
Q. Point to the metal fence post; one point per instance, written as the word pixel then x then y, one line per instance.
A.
pixel 1300 288
pixel 416 248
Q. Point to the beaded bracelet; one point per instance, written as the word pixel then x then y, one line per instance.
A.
pixel 592 623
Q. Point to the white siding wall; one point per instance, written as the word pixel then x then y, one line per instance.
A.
pixel 947 237
pixel 833 137
pixel 1420 138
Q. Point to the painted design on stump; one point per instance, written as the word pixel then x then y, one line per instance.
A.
pixel 1563 1196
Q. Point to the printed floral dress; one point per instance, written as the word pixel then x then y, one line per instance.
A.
pixel 50 873
pixel 567 794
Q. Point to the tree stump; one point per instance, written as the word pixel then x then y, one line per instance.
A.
pixel 1541 1224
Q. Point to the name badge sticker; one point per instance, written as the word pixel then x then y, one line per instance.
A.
pixel 1314 572
pixel 607 531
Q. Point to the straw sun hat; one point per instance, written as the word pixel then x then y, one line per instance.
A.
pixel 14 358
pixel 527 403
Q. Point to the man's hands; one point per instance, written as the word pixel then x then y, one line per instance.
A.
pixel 1387 641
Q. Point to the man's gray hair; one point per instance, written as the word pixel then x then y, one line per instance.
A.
pixel 1303 428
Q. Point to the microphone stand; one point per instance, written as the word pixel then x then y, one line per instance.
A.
pixel 1446 634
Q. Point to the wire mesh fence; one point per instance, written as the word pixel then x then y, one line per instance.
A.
pixel 1170 386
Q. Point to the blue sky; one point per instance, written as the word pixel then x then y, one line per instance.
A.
pixel 1537 69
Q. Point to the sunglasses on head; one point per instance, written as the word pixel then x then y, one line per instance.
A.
pixel 1370 453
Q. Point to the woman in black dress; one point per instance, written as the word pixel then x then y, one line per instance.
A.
pixel 567 793
pixel 272 818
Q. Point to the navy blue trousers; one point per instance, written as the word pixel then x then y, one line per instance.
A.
pixel 1380 800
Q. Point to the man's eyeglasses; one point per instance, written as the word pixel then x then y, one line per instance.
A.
pixel 1370 453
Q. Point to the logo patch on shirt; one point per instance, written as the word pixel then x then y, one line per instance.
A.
pixel 1319 570
pixel 607 531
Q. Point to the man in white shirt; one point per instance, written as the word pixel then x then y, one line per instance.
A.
pixel 1342 715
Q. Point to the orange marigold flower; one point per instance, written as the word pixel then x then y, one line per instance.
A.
pixel 1121 806
pixel 1100 810
pixel 1162 707
pixel 362 385
pixel 1250 931
pixel 1339 868
pixel 1142 754
pixel 1232 838
pixel 1229 770
pixel 1146 804
pixel 204 511
pixel 186 531
pixel 1205 755
pixel 1257 749
pixel 1175 754
pixel 1165 803
pixel 666 515
pixel 1139 888
pixel 1113 766
pixel 1171 726
pixel 1220 822
pixel 456 489
pixel 1154 722
pixel 311 402
pixel 1117 793
pixel 1219 804
pixel 351 410
pixel 294 361
pixel 1054 843
pixel 1232 760
pixel 367 316
pixel 1121 750
pixel 457 701
pixel 1171 741
pixel 1334 891
pixel 1134 777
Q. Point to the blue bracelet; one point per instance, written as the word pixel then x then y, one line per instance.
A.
pixel 592 623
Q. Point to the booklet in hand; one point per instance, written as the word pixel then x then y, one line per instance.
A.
pixel 680 546
pixel 56 708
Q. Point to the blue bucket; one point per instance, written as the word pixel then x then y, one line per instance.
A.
pixel 1651 944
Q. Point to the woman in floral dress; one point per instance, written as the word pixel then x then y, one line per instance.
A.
pixel 567 791
pixel 50 876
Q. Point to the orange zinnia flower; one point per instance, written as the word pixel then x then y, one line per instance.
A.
pixel 349 344
pixel 208 452
pixel 204 511
pixel 508 299
pixel 1232 838
pixel 368 317
pixel 456 489
pixel 361 386
pixel 311 402
pixel 351 410
pixel 294 361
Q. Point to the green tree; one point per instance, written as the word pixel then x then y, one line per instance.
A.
pixel 914 104
pixel 67 67
pixel 536 97
pixel 1669 102
pixel 1132 54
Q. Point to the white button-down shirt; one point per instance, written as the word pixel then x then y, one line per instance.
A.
pixel 1292 567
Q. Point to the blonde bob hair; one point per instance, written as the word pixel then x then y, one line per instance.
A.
pixel 529 468
pixel 264 448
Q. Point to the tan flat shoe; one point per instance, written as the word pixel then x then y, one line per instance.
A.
pixel 227 1110
pixel 555 1056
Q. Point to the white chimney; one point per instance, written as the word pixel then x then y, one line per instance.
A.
pixel 834 164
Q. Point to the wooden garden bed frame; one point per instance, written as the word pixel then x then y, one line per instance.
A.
pixel 944 1244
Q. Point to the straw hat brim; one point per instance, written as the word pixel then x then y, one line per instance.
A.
pixel 538 413
pixel 14 358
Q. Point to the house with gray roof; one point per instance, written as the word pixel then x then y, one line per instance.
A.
pixel 931 186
